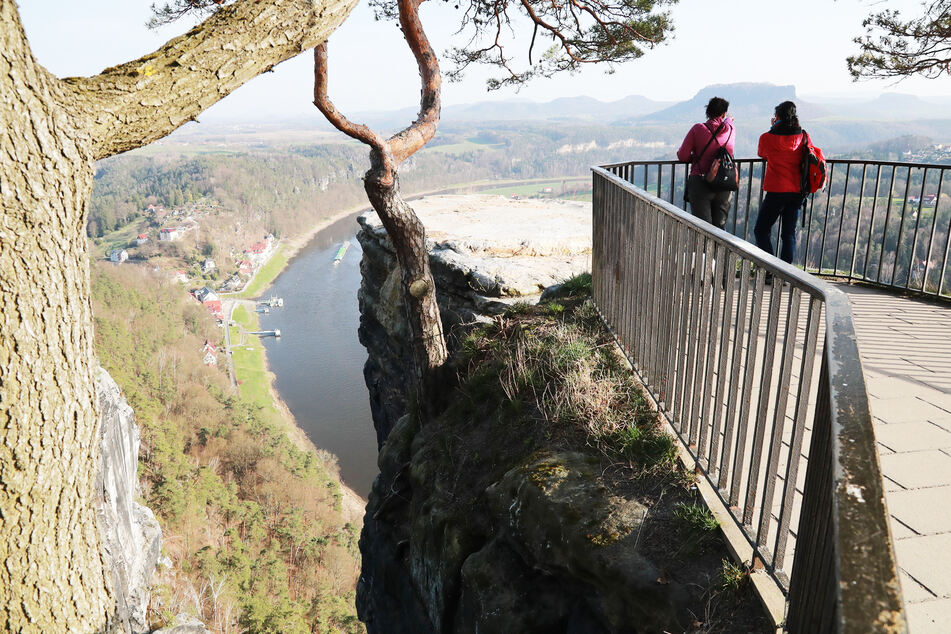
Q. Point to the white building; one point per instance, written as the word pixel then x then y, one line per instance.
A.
pixel 118 255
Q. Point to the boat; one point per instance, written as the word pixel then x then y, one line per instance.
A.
pixel 274 301
pixel 342 251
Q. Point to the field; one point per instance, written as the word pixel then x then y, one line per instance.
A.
pixel 266 274
pixel 249 364
pixel 469 145
pixel 574 188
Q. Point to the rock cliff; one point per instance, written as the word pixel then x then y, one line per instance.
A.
pixel 486 253
pixel 481 521
pixel 131 536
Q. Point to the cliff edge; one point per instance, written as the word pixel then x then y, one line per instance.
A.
pixel 546 497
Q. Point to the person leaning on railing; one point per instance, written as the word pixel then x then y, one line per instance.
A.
pixel 700 147
pixel 782 149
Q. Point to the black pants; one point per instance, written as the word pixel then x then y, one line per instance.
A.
pixel 779 205
pixel 706 204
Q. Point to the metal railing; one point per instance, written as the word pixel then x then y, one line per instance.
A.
pixel 879 222
pixel 726 340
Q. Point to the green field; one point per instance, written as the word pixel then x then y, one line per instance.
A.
pixel 266 275
pixel 249 364
pixel 466 146
pixel 118 239
pixel 578 185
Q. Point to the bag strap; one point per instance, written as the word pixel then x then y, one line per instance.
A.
pixel 712 139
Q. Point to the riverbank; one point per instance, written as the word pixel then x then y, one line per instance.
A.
pixel 256 386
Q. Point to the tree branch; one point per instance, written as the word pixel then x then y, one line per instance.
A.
pixel 408 141
pixel 144 100
pixel 357 131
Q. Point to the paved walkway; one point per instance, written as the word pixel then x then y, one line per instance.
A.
pixel 906 355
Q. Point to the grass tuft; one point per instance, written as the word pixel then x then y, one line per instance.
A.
pixel 733 577
pixel 696 517
pixel 578 286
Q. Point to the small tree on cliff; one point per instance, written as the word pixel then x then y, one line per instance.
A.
pixel 895 47
pixel 581 32
pixel 53 130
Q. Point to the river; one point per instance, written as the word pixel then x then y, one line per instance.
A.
pixel 318 361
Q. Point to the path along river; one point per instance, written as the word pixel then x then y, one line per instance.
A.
pixel 318 361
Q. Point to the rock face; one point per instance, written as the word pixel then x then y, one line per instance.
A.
pixel 132 538
pixel 466 530
pixel 486 252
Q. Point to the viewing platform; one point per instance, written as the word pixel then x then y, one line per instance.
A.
pixel 747 372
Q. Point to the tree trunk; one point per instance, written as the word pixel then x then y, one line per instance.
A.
pixel 52 578
pixel 408 236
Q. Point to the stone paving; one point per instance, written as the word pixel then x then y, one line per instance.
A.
pixel 906 356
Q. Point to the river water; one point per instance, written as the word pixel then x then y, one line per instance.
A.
pixel 318 361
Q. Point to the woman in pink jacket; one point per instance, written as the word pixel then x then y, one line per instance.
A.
pixel 700 147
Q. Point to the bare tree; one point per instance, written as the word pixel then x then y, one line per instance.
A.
pixel 583 32
pixel 895 47
pixel 53 130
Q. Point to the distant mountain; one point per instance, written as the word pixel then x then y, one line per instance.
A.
pixel 749 103
pixel 893 106
pixel 578 109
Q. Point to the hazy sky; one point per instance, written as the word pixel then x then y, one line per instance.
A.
pixel 800 42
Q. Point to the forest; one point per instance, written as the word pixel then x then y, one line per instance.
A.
pixel 252 520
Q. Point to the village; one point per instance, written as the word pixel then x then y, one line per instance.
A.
pixel 201 279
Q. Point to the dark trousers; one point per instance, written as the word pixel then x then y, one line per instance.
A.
pixel 707 204
pixel 785 207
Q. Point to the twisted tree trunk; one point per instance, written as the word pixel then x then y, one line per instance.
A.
pixel 406 232
pixel 408 236
pixel 53 578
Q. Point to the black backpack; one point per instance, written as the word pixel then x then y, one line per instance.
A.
pixel 723 175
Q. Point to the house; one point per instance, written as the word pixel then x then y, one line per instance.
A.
pixel 209 353
pixel 208 266
pixel 170 234
pixel 209 299
pixel 141 239
pixel 258 248
pixel 929 200
pixel 118 255
pixel 180 276
pixel 244 267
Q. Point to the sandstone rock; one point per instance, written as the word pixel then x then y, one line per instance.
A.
pixel 468 528
pixel 132 538
pixel 486 252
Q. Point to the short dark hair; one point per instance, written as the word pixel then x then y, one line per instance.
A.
pixel 786 113
pixel 717 107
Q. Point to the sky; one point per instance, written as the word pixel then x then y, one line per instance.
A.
pixel 801 42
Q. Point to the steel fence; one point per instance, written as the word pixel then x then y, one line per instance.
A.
pixel 727 341
pixel 879 222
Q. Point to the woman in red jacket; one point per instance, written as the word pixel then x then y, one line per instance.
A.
pixel 700 148
pixel 782 148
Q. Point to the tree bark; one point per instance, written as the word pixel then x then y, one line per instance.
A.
pixel 53 578
pixel 408 235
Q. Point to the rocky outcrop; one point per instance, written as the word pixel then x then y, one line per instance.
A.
pixel 474 523
pixel 131 536
pixel 486 253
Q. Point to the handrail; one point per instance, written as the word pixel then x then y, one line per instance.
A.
pixel 729 360
pixel 871 224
